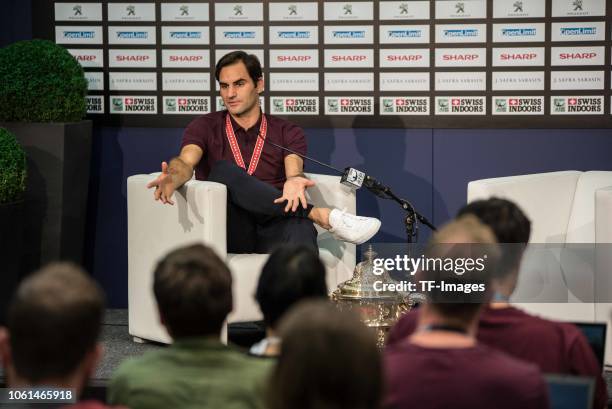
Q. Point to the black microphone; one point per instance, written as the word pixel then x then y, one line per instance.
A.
pixel 376 187
pixel 350 177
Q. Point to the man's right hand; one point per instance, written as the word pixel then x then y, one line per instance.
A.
pixel 164 185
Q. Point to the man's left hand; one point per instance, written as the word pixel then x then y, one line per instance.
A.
pixel 294 192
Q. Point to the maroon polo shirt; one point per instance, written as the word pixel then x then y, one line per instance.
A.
pixel 556 347
pixel 477 377
pixel 208 132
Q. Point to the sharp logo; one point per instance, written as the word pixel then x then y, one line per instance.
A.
pixel 79 34
pixel 132 58
pixel 239 34
pixel 405 33
pixel 185 58
pixel 184 10
pixel 131 10
pixel 294 34
pixel 238 11
pixel 399 57
pixel 185 34
pixel 89 58
pixel 518 6
pixel 461 33
pixel 460 57
pixel 573 31
pixel 78 10
pixel 293 58
pixel 577 56
pixel 518 56
pixel 519 32
pixel 349 58
pixel 133 34
pixel 349 34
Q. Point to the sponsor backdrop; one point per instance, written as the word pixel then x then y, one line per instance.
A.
pixel 439 63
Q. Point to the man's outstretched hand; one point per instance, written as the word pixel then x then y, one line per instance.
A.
pixel 164 185
pixel 294 192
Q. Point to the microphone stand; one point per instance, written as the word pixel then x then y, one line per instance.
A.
pixel 412 216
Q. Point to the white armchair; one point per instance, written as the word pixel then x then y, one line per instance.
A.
pixel 564 207
pixel 199 215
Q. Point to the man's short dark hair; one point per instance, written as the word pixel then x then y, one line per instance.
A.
pixel 292 273
pixel 505 218
pixel 460 240
pixel 193 289
pixel 53 321
pixel 510 225
pixel 250 61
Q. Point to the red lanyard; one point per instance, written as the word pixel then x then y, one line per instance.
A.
pixel 231 137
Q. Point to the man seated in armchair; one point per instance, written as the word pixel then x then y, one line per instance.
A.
pixel 266 185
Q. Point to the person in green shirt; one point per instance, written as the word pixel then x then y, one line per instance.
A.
pixel 192 286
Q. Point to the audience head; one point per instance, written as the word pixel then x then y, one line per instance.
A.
pixel 511 228
pixel 53 325
pixel 292 273
pixel 328 359
pixel 193 289
pixel 462 254
pixel 505 218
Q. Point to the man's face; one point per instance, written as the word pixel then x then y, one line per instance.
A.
pixel 240 94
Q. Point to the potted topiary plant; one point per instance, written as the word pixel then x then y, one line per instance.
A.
pixel 12 187
pixel 42 101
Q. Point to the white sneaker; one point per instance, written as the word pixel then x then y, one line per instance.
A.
pixel 353 229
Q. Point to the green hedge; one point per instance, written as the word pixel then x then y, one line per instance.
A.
pixel 40 81
pixel 12 168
